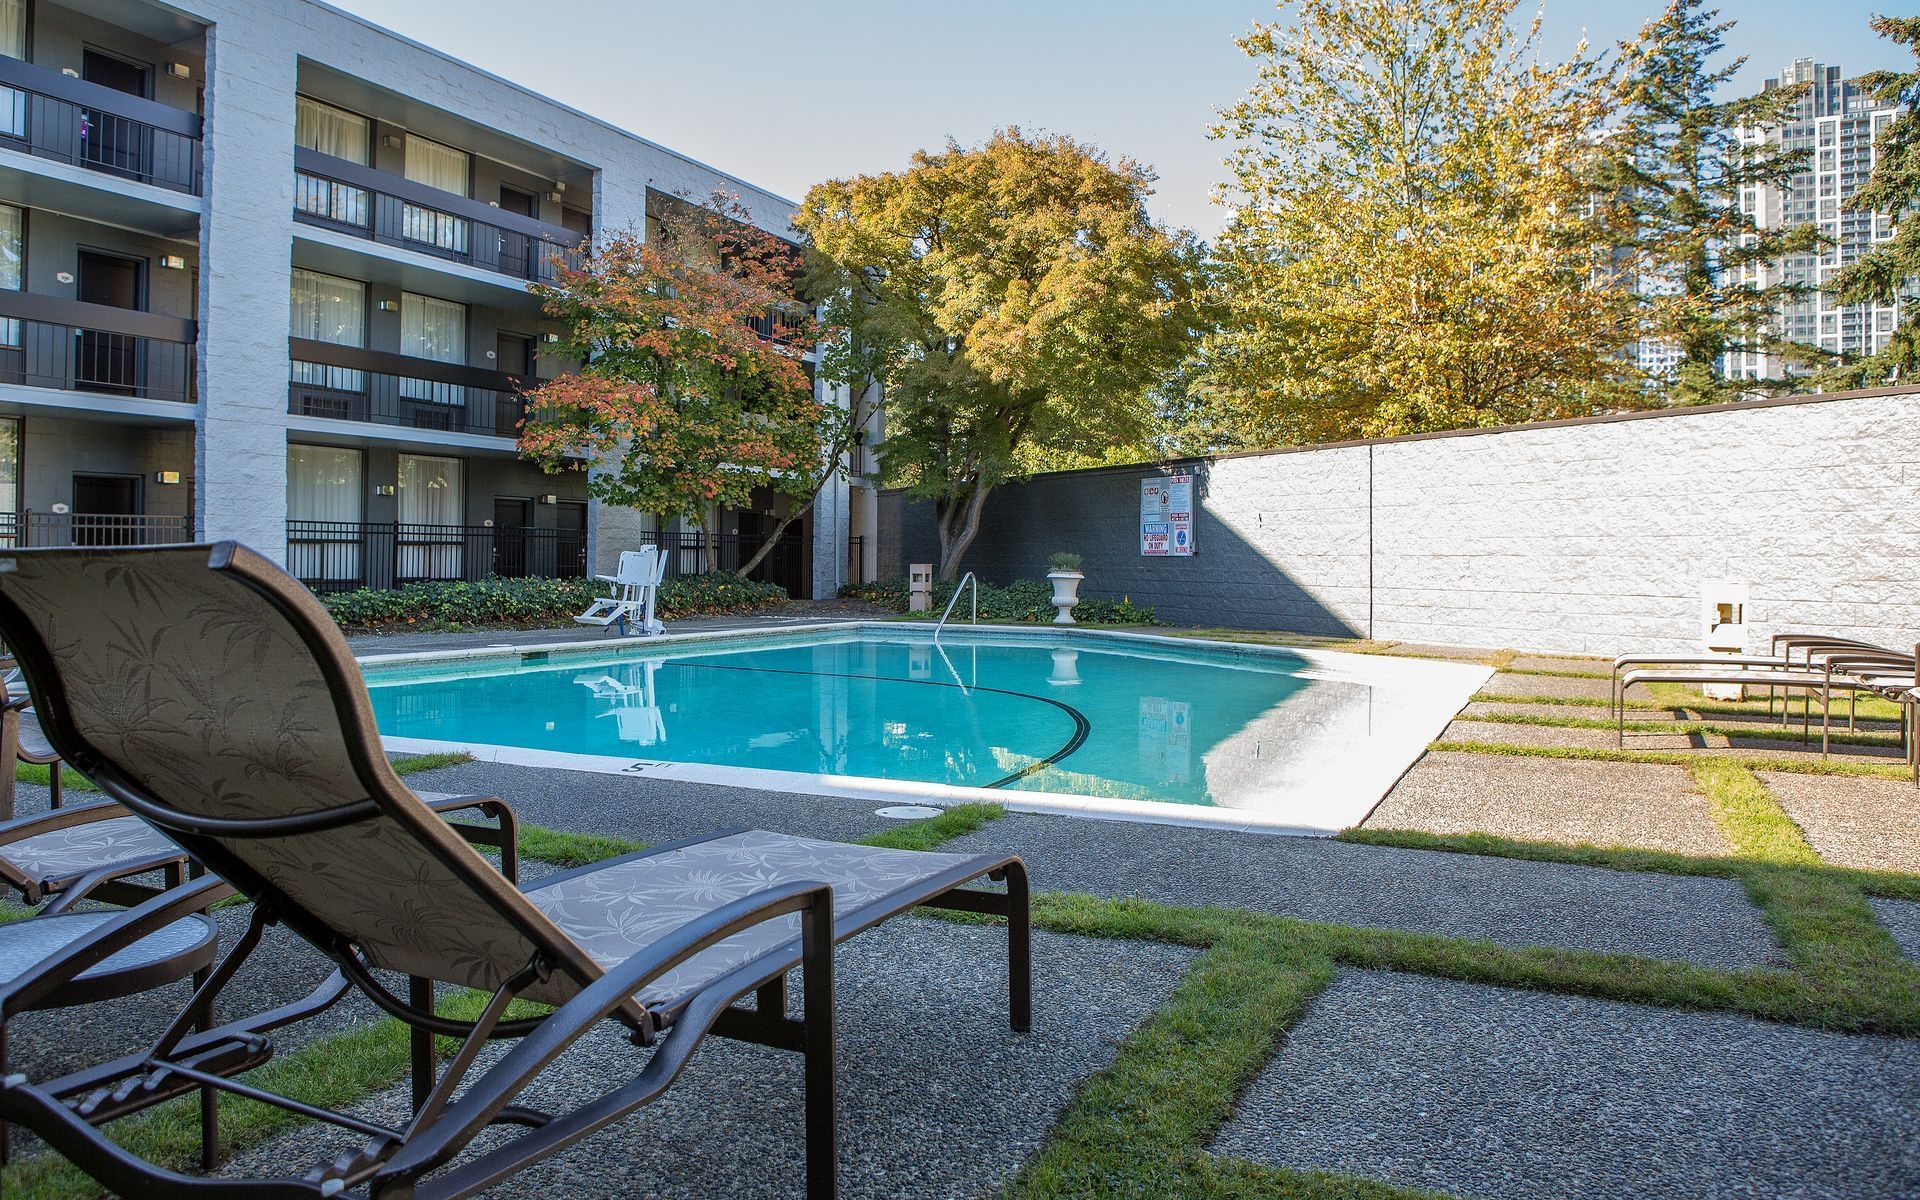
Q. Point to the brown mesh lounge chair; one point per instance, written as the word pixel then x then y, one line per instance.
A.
pixel 210 693
pixel 22 740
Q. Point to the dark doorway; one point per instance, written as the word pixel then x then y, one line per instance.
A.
pixel 514 200
pixel 570 540
pixel 98 502
pixel 120 74
pixel 515 353
pixel 109 362
pixel 109 142
pixel 574 220
pixel 511 516
pixel 782 565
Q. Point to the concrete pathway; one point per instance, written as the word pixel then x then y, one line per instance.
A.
pixel 1871 823
pixel 1528 1096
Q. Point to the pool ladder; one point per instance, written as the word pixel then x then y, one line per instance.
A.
pixel 954 599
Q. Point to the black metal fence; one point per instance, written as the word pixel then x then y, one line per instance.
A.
pixel 87 127
pixel 50 355
pixel 339 556
pixel 356 394
pixel 20 530
pixel 857 560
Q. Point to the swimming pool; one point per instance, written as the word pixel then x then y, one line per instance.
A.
pixel 1099 723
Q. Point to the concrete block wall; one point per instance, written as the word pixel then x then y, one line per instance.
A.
pixel 1588 537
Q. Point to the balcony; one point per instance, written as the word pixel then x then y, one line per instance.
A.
pixel 340 556
pixel 52 342
pixel 346 383
pixel 26 529
pixel 54 116
pixel 332 193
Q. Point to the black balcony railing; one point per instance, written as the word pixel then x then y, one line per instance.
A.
pixel 394 211
pixel 24 529
pixel 338 556
pixel 857 560
pixel 52 342
pixel 56 116
pixel 350 384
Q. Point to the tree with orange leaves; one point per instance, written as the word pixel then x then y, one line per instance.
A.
pixel 694 390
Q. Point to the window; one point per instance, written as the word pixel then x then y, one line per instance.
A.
pixel 13 44
pixel 436 330
pixel 329 130
pixel 436 165
pixel 327 308
pixel 432 500
pixel 13 261
pixel 323 513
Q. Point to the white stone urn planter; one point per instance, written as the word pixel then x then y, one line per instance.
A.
pixel 1066 594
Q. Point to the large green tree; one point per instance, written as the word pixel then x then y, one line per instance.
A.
pixel 1408 249
pixel 1010 299
pixel 693 390
pixel 1678 159
pixel 1888 272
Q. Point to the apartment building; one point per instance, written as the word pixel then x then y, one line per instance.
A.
pixel 264 275
pixel 1839 125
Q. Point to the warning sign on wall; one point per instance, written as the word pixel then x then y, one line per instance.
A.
pixel 1166 517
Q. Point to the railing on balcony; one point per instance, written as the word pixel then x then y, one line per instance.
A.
pixel 19 530
pixel 53 342
pixel 351 384
pixel 56 116
pixel 338 556
pixel 857 560
pixel 337 194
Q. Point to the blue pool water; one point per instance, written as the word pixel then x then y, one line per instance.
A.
pixel 1081 715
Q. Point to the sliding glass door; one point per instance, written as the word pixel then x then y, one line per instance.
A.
pixel 324 498
pixel 435 330
pixel 433 498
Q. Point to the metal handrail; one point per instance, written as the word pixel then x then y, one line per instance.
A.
pixel 951 600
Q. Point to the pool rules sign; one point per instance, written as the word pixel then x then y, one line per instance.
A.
pixel 1166 517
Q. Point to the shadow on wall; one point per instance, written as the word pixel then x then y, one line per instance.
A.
pixel 1237 576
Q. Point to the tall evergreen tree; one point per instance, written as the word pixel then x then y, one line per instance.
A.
pixel 1888 272
pixel 1678 161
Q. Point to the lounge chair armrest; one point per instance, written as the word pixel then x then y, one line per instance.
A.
pixel 60 967
pixel 481 1102
pixel 505 838
pixel 125 868
pixel 59 818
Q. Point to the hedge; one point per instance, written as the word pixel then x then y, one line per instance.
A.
pixel 442 605
pixel 1024 600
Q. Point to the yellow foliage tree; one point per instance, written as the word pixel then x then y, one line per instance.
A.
pixel 1409 250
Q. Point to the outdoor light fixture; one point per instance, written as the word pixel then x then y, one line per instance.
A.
pixel 69 72
pixel 552 338
pixel 166 477
pixel 549 499
pixel 173 262
pixel 389 306
pixel 180 70
pixel 385 489
pixel 393 141
pixel 64 276
pixel 555 197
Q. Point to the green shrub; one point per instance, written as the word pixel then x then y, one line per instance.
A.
pixel 1064 560
pixel 534 602
pixel 1025 600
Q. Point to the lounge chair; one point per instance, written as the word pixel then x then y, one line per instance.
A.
pixel 1846 674
pixel 22 741
pixel 632 590
pixel 244 731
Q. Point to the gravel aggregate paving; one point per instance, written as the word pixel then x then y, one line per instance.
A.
pixel 1870 823
pixel 1902 919
pixel 1604 803
pixel 1518 1095
pixel 1701 920
pixel 937 1097
pixel 1510 683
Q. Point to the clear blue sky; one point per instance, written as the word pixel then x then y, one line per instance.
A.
pixel 786 93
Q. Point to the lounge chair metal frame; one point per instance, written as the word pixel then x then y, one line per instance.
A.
pixel 395 1161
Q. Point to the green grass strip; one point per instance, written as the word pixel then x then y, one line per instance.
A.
pixel 564 849
pixel 1506 670
pixel 954 822
pixel 432 761
pixel 1769 733
pixel 1749 817
pixel 1681 758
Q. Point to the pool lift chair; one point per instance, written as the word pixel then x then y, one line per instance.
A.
pixel 258 754
pixel 633 591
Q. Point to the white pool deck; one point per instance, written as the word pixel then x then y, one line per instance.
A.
pixel 1331 780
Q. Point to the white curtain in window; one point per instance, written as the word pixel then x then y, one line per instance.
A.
pixel 327 308
pixel 12 264
pixel 431 494
pixel 437 330
pixel 329 130
pixel 9 480
pixel 13 44
pixel 324 495
pixel 436 166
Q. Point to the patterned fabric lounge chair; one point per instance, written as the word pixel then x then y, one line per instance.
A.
pixel 242 728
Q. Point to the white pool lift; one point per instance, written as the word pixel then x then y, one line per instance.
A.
pixel 633 591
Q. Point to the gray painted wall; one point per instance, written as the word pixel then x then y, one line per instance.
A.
pixel 1591 538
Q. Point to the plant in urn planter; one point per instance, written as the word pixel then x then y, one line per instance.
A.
pixel 1066 578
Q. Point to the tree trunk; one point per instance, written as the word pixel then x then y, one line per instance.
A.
pixel 958 524
pixel 709 550
pixel 766 547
